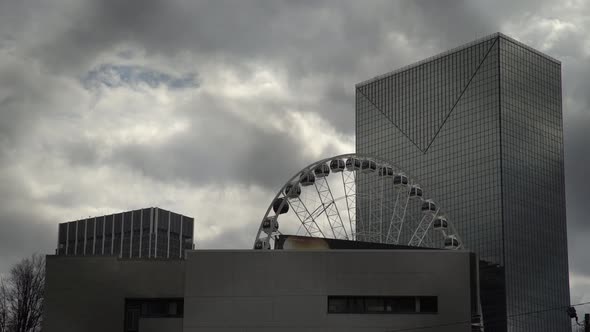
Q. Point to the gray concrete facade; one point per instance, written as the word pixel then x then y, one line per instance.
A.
pixel 247 290
pixel 285 290
pixel 88 293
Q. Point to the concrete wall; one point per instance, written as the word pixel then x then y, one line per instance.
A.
pixel 287 290
pixel 88 293
pixel 247 290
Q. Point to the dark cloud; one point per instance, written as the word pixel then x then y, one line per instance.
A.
pixel 24 229
pixel 339 44
pixel 24 234
pixel 22 96
pixel 449 23
pixel 577 164
pixel 218 147
pixel 307 39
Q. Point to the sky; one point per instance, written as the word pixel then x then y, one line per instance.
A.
pixel 206 108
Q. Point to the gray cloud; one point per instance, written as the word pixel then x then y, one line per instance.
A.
pixel 218 148
pixel 25 229
pixel 340 43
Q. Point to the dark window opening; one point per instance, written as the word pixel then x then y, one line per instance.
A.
pixel 382 304
pixel 151 308
pixel 401 304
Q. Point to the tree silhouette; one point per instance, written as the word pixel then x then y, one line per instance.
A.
pixel 21 296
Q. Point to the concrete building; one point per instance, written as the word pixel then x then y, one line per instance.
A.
pixel 150 232
pixel 276 290
pixel 480 126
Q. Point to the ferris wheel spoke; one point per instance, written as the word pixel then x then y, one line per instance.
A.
pixel 416 236
pixel 398 217
pixel 305 217
pixel 364 209
pixel 330 209
pixel 318 212
pixel 423 240
pixel 375 207
pixel 371 207
pixel 403 216
pixel 394 223
pixel 422 229
pixel 349 183
pixel 369 220
pixel 376 212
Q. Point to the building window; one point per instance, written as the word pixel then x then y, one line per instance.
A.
pixel 382 304
pixel 135 309
pixel 401 304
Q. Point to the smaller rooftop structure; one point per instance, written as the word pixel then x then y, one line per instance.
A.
pixel 145 233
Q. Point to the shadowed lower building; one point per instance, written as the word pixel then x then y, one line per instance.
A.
pixel 346 290
pixel 480 127
pixel 148 233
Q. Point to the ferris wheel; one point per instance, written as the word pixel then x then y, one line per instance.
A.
pixel 358 198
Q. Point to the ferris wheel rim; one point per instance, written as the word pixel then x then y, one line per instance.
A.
pixel 377 162
pixel 309 168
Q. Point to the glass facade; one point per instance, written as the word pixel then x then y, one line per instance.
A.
pixel 149 233
pixel 480 128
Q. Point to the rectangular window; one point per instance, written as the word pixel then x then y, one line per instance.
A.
pixel 151 308
pixel 63 235
pixel 375 304
pixel 401 304
pixel 382 304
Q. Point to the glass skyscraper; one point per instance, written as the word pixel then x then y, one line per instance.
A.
pixel 480 128
pixel 143 233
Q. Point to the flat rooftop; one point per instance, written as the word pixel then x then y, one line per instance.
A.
pixel 454 50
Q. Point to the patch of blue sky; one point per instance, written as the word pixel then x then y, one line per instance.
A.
pixel 112 75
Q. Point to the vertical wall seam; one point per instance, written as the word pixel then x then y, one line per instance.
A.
pixel 76 239
pixel 94 240
pixel 157 212
pixel 151 232
pixel 85 237
pixel 113 235
pixel 122 234
pixel 104 234
pixel 180 237
pixel 67 237
pixel 168 237
pixel 131 236
pixel 140 232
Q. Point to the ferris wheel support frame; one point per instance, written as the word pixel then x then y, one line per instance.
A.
pixel 373 231
pixel 330 209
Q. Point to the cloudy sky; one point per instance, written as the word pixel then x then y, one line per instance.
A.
pixel 207 107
